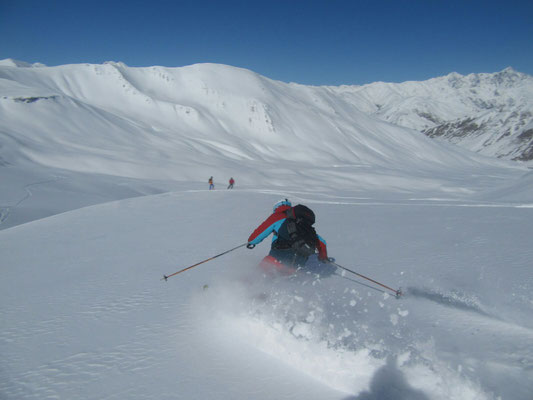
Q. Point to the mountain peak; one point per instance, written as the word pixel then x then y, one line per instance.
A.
pixel 10 62
pixel 508 77
pixel 509 70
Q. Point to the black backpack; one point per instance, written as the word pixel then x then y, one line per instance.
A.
pixel 297 232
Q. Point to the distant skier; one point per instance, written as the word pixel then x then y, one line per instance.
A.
pixel 231 183
pixel 211 184
pixel 294 240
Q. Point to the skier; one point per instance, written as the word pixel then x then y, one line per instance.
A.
pixel 231 183
pixel 294 240
pixel 211 184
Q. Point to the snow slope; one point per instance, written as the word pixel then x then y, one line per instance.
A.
pixel 103 189
pixel 86 315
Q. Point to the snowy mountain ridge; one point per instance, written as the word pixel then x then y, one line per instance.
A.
pixel 176 122
pixel 489 113
pixel 9 62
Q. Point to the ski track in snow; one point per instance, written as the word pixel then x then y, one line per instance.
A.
pixel 448 299
pixel 6 210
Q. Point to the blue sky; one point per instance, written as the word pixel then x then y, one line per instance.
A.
pixel 311 42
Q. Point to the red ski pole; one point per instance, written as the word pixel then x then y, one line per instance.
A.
pixel 165 277
pixel 397 293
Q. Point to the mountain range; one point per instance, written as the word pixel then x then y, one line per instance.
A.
pixel 487 113
pixel 221 111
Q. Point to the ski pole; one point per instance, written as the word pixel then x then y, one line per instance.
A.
pixel 360 283
pixel 165 277
pixel 397 293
